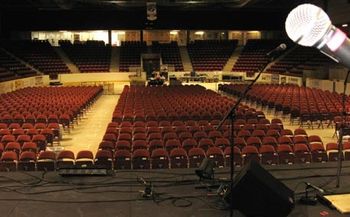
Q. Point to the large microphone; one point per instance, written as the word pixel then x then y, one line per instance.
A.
pixel 277 50
pixel 310 26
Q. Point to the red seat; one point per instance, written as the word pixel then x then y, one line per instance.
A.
pixel 239 142
pixel 107 145
pixel 245 134
pixel 172 144
pixel 30 146
pixel 154 136
pixel 13 146
pixel 46 161
pixel 205 144
pixel 65 158
pixel 40 140
pixel 18 132
pixel 254 141
pixel 159 159
pixel 167 129
pixel 7 138
pixel 84 158
pixel 269 140
pixel 259 133
pixel 268 155
pixel 122 145
pixel 109 137
pixel 178 158
pixel 195 157
pixel 8 161
pixel 124 137
pixel 155 144
pixel 285 140
pixel 141 159
pixel 217 155
pixel 104 158
pixel 187 144
pixel 250 153
pixel 139 136
pixel 169 136
pixel 122 159
pixel 314 139
pixel 318 152
pixel 27 161
pixel 237 158
pixel 285 154
pixel 185 135
pixel 332 151
pixel 214 134
pixel 139 144
pixel 222 143
pixel 199 135
pixel 346 150
pixel 1 148
pixel 302 153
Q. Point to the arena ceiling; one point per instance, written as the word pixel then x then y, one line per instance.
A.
pixel 171 14
pixel 132 4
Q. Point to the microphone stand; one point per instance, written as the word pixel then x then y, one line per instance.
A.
pixel 306 199
pixel 342 132
pixel 231 114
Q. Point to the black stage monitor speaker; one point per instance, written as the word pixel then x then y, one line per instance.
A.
pixel 257 193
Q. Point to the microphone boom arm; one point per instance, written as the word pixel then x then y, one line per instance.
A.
pixel 232 114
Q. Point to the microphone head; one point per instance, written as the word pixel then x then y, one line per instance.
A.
pixel 307 24
pixel 283 46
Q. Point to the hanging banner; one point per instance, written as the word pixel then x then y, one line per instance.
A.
pixel 151 11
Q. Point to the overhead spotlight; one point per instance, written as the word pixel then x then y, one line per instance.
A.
pixel 345 25
pixel 174 32
pixel 199 33
pixel 206 169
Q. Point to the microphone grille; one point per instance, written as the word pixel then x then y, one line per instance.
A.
pixel 307 24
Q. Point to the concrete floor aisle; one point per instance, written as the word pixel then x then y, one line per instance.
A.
pixel 89 132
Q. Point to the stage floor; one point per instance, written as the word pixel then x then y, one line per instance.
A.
pixel 176 193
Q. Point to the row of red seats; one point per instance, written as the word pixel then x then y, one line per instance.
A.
pixel 169 103
pixel 305 104
pixel 51 131
pixel 161 159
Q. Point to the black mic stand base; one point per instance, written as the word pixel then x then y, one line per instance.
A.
pixel 308 200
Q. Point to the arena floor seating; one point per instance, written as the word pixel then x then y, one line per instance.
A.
pixel 32 118
pixel 141 137
pixel 308 106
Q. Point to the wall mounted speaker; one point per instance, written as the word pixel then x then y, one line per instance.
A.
pixel 257 193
